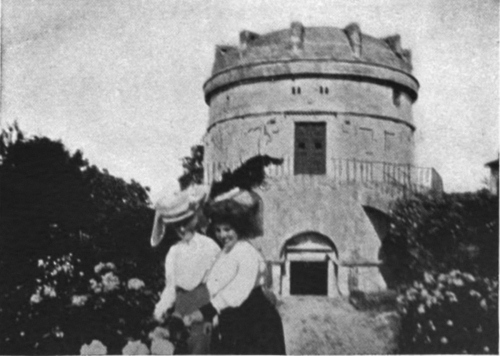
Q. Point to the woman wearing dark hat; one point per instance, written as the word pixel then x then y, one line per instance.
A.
pixel 248 322
pixel 187 261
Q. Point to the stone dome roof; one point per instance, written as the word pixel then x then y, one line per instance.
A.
pixel 312 51
pixel 314 43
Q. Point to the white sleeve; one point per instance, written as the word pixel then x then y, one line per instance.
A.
pixel 167 299
pixel 239 288
pixel 214 250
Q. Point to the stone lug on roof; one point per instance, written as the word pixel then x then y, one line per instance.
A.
pixel 318 51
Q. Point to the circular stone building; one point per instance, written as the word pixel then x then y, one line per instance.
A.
pixel 334 106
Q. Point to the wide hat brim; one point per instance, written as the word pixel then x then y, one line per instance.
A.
pixel 176 208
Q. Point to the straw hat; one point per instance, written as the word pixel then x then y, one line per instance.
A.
pixel 177 207
pixel 240 208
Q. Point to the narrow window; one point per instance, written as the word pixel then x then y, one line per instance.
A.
pixel 298 90
pixel 310 148
pixel 293 90
pixel 326 90
pixel 389 141
pixel 320 89
pixel 366 138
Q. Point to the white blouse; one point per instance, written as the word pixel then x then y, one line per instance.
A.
pixel 234 274
pixel 186 265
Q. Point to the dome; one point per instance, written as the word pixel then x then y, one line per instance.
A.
pixel 310 51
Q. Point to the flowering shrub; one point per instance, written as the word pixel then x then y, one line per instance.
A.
pixel 95 348
pixel 74 308
pixel 450 313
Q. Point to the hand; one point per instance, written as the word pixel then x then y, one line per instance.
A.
pixel 207 328
pixel 194 317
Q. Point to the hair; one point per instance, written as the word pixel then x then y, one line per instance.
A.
pixel 237 223
pixel 243 217
pixel 231 213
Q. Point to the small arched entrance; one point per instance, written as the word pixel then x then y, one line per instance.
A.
pixel 310 266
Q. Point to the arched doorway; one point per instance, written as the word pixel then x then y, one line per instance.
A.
pixel 310 266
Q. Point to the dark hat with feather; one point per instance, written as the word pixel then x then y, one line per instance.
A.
pixel 242 209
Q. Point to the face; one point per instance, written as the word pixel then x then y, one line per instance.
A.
pixel 185 229
pixel 226 234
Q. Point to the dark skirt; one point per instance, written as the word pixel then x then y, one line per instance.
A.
pixel 253 328
pixel 186 302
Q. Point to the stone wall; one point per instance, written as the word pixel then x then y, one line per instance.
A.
pixel 361 87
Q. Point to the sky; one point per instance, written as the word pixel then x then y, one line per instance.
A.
pixel 121 80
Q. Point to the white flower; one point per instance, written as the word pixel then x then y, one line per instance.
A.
pixel 59 334
pixel 486 349
pixel 449 323
pixel 135 283
pixel 49 291
pixel 135 348
pixel 111 266
pixel 79 300
pixel 40 263
pixel 421 309
pixel 95 348
pixel 162 347
pixel 483 304
pixel 96 287
pixel 468 277
pixel 451 296
pixel 35 298
pixel 431 324
pixel 110 282
pixel 444 340
pixel 99 267
pixel 474 293
pixel 428 278
pixel 458 282
pixel 67 267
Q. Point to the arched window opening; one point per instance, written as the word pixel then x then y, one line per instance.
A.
pixel 311 269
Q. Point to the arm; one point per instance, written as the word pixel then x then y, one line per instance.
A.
pixel 237 290
pixel 167 298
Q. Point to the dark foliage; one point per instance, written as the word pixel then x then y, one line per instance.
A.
pixel 192 168
pixel 439 233
pixel 53 205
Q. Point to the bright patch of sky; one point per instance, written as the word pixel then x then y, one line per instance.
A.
pixel 122 80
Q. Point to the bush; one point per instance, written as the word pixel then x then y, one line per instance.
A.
pixel 439 233
pixel 69 307
pixel 449 313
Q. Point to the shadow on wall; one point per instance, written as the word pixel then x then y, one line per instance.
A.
pixel 381 224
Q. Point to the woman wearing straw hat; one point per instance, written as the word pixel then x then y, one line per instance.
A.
pixel 187 261
pixel 248 321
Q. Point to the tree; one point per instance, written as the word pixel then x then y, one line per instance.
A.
pixel 192 168
pixel 439 233
pixel 53 202
pixel 42 193
pixel 57 207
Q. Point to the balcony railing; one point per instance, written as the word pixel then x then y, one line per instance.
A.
pixel 403 177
